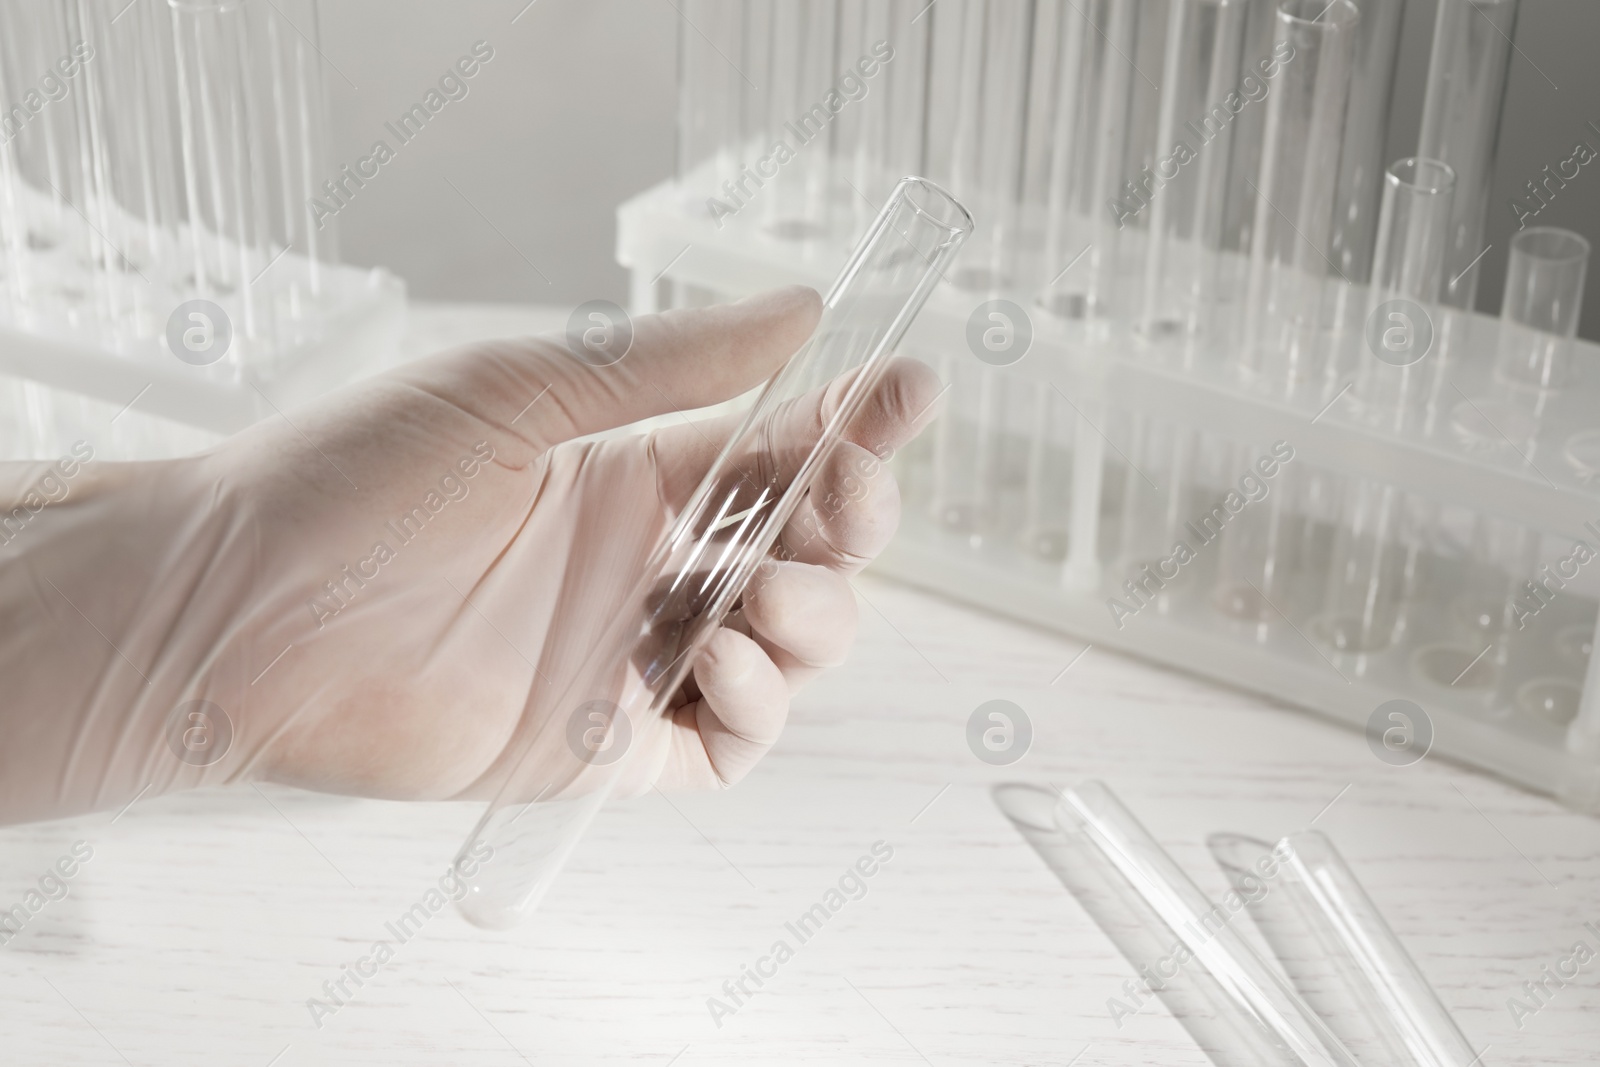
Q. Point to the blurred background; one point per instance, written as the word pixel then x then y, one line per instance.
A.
pixel 577 110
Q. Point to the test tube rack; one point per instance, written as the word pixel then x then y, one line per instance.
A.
pixel 167 238
pixel 1065 431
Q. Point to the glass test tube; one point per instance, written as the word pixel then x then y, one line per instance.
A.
pixel 1196 998
pixel 1374 570
pixel 883 69
pixel 1271 1015
pixel 1089 101
pixel 1366 124
pixel 794 57
pixel 136 61
pixel 300 104
pixel 1583 733
pixel 41 174
pixel 715 546
pixel 1261 556
pixel 966 449
pixel 710 95
pixel 1341 955
pixel 1481 615
pixel 1542 304
pixel 1283 350
pixel 1047 514
pixel 1248 129
pixel 1407 278
pixel 976 109
pixel 1461 122
pixel 221 160
pixel 1373 573
pixel 1156 498
pixel 1044 72
pixel 1188 180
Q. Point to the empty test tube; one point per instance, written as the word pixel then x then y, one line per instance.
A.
pixel 1089 100
pixel 1407 278
pixel 1341 955
pixel 1198 1000
pixel 1156 495
pixel 1047 511
pixel 710 95
pixel 1272 1016
pixel 1583 733
pixel 1373 572
pixel 700 567
pixel 42 175
pixel 1366 124
pixel 1461 123
pixel 792 65
pixel 182 164
pixel 1501 556
pixel 1541 307
pixel 977 104
pixel 878 136
pixel 1187 183
pixel 966 447
pixel 1283 351
pixel 221 159
pixel 1261 26
pixel 1261 556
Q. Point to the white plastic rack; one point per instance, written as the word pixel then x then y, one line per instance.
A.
pixel 1049 484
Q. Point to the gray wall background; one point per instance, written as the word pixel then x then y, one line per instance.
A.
pixel 576 112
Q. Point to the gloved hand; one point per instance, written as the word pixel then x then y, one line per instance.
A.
pixel 373 595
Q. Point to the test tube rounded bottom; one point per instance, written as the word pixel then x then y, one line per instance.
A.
pixel 1455 667
pixel 1554 700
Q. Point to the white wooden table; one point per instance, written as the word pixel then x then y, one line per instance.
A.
pixel 204 922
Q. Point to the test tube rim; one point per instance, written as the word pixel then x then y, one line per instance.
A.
pixel 963 218
pixel 1348 14
pixel 1577 242
pixel 1443 172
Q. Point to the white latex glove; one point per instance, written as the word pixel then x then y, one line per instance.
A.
pixel 506 548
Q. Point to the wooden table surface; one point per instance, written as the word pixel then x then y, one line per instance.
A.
pixel 203 923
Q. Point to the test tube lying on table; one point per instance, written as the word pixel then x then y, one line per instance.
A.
pixel 1185 949
pixel 1341 955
